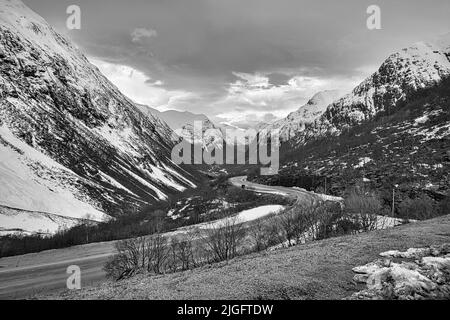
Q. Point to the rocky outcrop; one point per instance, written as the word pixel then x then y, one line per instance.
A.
pixel 422 273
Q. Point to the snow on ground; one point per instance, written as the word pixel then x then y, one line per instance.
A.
pixel 159 175
pixel 244 216
pixel 22 188
pixel 118 139
pixel 161 195
pixel 27 222
pixel 179 176
pixel 114 182
pixel 422 120
pixel 362 162
pixel 384 222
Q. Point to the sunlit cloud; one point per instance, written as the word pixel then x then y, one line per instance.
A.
pixel 139 87
pixel 140 34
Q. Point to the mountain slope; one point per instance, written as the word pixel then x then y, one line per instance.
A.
pixel 71 143
pixel 297 121
pixel 422 65
pixel 391 132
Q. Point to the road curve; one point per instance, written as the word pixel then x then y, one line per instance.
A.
pixel 299 194
pixel 26 275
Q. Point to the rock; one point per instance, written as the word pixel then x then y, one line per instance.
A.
pixel 428 277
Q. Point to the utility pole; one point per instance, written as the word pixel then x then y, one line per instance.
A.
pixel 393 200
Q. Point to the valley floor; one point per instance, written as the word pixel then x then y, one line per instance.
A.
pixel 318 270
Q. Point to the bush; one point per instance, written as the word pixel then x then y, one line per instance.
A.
pixel 314 221
pixel 364 208
pixel 220 241
pixel 129 259
pixel 182 255
pixel 420 208
pixel 157 254
pixel 444 206
pixel 265 233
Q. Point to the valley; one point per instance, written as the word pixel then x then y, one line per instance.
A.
pixel 155 203
pixel 23 276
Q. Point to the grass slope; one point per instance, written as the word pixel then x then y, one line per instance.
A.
pixel 318 270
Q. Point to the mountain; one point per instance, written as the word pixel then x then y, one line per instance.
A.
pixel 419 66
pixel 182 122
pixel 409 148
pixel 297 121
pixel 175 119
pixel 71 144
pixel 391 132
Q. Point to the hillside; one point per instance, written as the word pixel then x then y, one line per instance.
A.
pixel 318 270
pixel 408 148
pixel 71 144
pixel 297 121
pixel 420 66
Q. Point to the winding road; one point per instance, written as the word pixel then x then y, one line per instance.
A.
pixel 26 275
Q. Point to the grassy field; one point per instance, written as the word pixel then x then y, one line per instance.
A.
pixel 319 270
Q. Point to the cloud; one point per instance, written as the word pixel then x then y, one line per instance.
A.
pixel 140 88
pixel 252 98
pixel 140 34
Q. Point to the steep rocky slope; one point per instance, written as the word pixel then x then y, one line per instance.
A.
pixel 71 143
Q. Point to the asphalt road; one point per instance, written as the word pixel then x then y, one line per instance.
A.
pixel 24 276
pixel 300 194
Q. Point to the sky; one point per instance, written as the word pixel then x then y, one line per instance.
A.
pixel 241 61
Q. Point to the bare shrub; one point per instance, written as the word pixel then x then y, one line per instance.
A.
pixel 420 208
pixel 364 208
pixel 157 253
pixel 261 233
pixel 332 221
pixel 220 241
pixel 298 223
pixel 181 256
pixel 314 221
pixel 128 260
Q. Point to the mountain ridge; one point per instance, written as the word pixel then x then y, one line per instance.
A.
pixel 74 135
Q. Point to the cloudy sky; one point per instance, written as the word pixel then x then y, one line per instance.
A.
pixel 241 61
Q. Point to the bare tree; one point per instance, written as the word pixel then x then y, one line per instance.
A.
pixel 221 240
pixel 157 253
pixel 128 260
pixel 365 208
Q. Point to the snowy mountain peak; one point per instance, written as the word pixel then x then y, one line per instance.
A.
pixel 297 121
pixel 419 66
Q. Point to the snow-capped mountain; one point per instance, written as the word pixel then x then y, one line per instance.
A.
pixel 71 144
pixel 175 119
pixel 419 66
pixel 182 122
pixel 297 121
